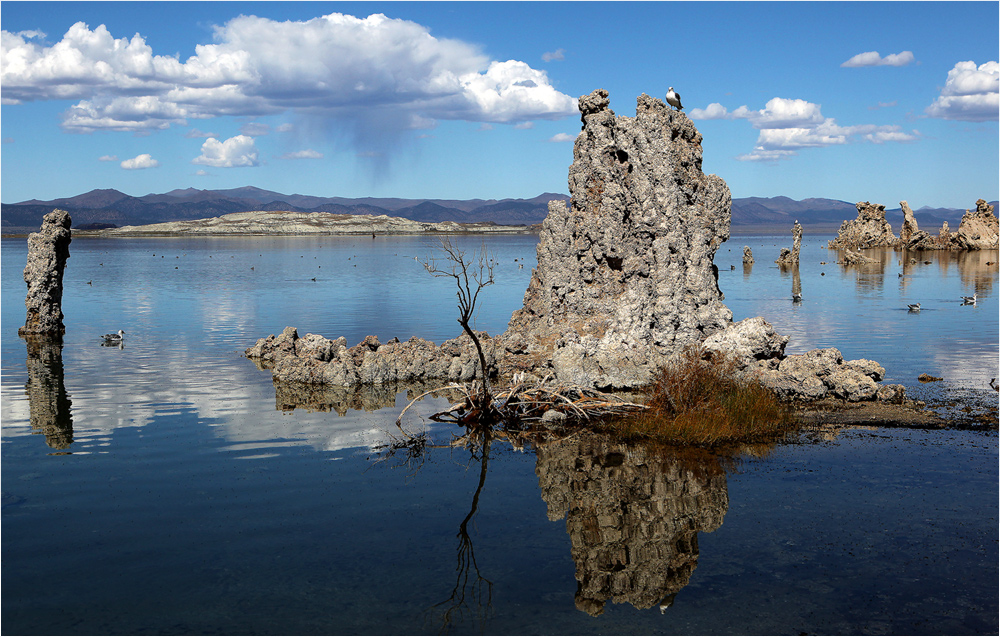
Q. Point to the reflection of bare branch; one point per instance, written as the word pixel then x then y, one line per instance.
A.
pixel 477 595
pixel 408 449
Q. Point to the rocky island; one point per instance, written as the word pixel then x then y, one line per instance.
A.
pixel 625 281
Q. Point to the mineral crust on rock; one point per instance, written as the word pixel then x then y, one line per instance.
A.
pixel 48 250
pixel 625 275
pixel 869 230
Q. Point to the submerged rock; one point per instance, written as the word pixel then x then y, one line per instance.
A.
pixel 856 258
pixel 869 230
pixel 48 250
pixel 625 275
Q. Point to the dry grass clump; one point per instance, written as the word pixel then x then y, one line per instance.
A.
pixel 705 403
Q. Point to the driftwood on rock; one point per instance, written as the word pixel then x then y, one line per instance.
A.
pixel 531 402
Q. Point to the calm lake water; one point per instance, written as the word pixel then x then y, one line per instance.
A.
pixel 166 487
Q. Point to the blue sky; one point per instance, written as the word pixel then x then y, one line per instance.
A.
pixel 854 101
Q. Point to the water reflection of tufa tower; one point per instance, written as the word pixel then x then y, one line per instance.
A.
pixel 633 516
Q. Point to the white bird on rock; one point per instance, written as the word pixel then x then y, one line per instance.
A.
pixel 674 99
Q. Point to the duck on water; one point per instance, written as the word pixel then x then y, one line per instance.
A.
pixel 114 338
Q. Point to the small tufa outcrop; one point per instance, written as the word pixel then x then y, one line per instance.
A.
pixel 868 230
pixel 313 359
pixel 747 255
pixel 625 275
pixel 815 375
pixel 790 257
pixel 856 258
pixel 48 250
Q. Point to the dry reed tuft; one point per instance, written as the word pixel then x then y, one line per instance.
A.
pixel 706 403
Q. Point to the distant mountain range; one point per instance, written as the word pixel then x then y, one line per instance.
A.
pixel 103 208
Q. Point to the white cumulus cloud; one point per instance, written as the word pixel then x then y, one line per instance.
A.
pixel 235 151
pixel 788 125
pixel 108 158
pixel 970 93
pixel 369 72
pixel 139 162
pixel 872 58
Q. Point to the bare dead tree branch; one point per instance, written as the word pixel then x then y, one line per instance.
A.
pixel 471 275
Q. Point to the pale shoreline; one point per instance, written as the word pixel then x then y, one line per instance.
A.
pixel 283 223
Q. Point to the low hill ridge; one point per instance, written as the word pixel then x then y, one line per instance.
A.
pixel 109 206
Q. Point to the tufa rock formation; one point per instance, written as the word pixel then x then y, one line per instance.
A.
pixel 817 374
pixel 788 257
pixel 869 230
pixel 625 275
pixel 625 281
pixel 747 255
pixel 978 230
pixel 912 237
pixel 48 250
pixel 633 515
pixel 313 359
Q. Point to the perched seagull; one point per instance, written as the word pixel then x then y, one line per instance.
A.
pixel 970 300
pixel 674 99
pixel 914 307
pixel 114 338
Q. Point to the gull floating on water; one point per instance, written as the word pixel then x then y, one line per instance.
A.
pixel 114 338
pixel 796 297
pixel 674 99
pixel 970 300
pixel 914 307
